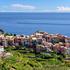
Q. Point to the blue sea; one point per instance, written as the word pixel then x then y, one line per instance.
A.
pixel 28 23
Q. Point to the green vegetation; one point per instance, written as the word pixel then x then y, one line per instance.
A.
pixel 25 59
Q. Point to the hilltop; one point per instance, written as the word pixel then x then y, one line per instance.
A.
pixel 39 51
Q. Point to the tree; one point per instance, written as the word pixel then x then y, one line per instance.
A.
pixel 1 31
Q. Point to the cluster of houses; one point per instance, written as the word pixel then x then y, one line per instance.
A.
pixel 39 41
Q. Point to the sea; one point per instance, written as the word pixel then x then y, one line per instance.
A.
pixel 28 23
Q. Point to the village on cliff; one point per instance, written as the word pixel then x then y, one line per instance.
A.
pixel 38 41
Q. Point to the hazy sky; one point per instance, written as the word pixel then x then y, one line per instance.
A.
pixel 34 5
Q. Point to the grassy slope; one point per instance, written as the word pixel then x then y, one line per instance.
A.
pixel 27 61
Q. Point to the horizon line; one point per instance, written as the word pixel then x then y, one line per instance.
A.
pixel 29 12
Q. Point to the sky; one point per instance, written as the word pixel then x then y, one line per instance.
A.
pixel 34 5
